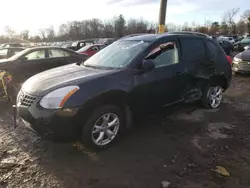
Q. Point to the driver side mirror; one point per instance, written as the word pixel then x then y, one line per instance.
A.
pixel 147 65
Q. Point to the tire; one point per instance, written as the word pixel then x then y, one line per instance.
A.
pixel 215 92
pixel 91 133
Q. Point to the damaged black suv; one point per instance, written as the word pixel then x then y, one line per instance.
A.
pixel 94 101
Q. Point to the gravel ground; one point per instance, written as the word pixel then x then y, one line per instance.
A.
pixel 181 145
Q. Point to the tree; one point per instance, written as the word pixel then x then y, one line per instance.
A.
pixel 63 32
pixel 215 28
pixel 246 18
pixel 120 28
pixel 9 31
pixel 50 32
pixel 171 27
pixel 25 34
pixel 224 28
pixel 42 33
pixel 108 29
pixel 137 26
pixel 241 27
pixel 229 19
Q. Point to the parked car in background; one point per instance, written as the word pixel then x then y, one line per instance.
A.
pixel 90 50
pixel 7 45
pixel 230 39
pixel 240 45
pixel 105 41
pixel 226 46
pixel 94 101
pixel 247 47
pixel 8 52
pixel 79 44
pixel 66 45
pixel 34 60
pixel 241 62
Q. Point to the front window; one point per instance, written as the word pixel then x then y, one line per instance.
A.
pixel 39 54
pixel 165 54
pixel 117 55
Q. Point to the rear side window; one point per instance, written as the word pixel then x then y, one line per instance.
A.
pixel 193 49
pixel 212 50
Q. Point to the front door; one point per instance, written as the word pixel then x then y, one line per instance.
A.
pixel 166 82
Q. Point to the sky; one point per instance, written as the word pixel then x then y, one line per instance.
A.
pixel 34 15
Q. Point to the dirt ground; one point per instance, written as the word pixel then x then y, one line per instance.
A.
pixel 181 145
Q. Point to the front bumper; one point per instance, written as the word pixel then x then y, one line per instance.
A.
pixel 242 67
pixel 53 124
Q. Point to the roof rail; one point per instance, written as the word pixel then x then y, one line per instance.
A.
pixel 189 33
pixel 133 35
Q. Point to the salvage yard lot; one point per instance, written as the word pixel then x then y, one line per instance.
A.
pixel 182 145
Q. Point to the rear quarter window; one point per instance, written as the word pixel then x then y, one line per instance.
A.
pixel 212 50
pixel 193 49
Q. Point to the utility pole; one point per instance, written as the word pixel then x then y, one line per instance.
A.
pixel 162 16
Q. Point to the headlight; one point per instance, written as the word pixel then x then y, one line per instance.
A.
pixel 236 60
pixel 56 99
pixel 246 47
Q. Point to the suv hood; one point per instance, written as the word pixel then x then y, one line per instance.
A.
pixel 47 81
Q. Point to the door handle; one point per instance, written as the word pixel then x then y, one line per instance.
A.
pixel 181 73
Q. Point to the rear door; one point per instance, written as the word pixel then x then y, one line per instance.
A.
pixel 194 56
pixel 60 57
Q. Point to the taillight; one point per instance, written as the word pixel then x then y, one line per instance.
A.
pixel 229 60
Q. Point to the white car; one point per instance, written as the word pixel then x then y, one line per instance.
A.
pixel 230 39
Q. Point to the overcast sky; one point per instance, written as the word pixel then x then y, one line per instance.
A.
pixel 34 14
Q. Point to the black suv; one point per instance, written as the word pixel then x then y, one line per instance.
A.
pixel 95 100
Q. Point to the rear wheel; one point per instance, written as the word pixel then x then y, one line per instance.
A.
pixel 103 127
pixel 212 96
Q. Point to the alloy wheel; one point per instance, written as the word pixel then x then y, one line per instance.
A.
pixel 105 129
pixel 215 96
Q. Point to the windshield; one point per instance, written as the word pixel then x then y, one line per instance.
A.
pixel 246 40
pixel 117 55
pixel 19 54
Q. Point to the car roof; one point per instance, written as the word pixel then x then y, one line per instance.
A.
pixel 47 47
pixel 152 37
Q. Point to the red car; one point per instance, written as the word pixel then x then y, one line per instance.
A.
pixel 90 50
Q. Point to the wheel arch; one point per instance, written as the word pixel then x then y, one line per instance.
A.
pixel 115 97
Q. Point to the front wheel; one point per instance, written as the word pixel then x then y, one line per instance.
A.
pixel 212 96
pixel 103 127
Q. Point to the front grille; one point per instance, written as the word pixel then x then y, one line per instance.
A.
pixel 244 65
pixel 25 99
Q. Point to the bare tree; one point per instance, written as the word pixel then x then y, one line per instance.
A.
pixel 229 18
pixel 120 26
pixel 42 33
pixel 50 32
pixel 171 27
pixel 25 34
pixel 246 18
pixel 10 32
pixel 241 27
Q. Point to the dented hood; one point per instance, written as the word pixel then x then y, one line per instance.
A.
pixel 47 81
